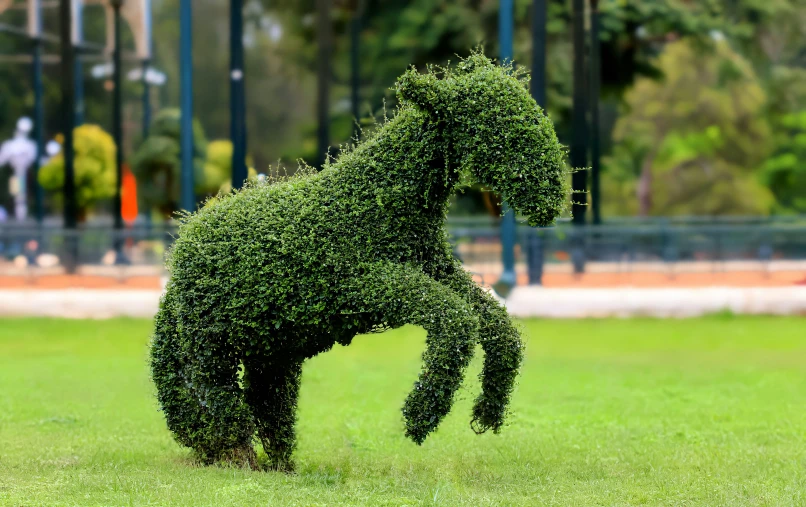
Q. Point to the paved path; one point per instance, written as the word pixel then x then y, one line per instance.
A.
pixel 668 302
pixel 523 302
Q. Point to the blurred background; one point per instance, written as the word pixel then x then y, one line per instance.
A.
pixel 689 115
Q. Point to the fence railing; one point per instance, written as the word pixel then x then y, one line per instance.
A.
pixel 629 248
pixel 615 247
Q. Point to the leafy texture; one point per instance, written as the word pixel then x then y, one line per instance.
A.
pixel 784 172
pixel 694 139
pixel 269 276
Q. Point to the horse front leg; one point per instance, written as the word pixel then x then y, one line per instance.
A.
pixel 272 389
pixel 502 345
pixel 400 294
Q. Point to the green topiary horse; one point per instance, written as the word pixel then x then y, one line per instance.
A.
pixel 264 278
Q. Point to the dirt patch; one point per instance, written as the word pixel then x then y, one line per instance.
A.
pixel 552 280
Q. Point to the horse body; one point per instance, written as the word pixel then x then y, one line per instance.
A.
pixel 274 274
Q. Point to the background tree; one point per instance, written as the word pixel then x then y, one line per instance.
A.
pixel 156 163
pixel 218 168
pixel 95 173
pixel 279 92
pixel 695 139
pixel 785 171
pixel 279 37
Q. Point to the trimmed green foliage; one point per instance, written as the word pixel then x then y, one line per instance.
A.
pixel 267 277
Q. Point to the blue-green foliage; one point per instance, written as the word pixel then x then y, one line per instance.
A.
pixel 269 276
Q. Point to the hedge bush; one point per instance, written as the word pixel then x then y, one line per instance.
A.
pixel 93 164
pixel 266 277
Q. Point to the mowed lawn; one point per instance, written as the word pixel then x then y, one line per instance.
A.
pixel 707 411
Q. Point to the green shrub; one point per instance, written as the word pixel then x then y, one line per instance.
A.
pixel 266 277
pixel 94 166
pixel 157 166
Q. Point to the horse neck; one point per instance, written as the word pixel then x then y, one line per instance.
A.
pixel 396 159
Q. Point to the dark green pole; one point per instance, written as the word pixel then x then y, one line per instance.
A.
pixel 539 52
pixel 579 138
pixel 535 250
pixel 579 148
pixel 117 128
pixel 237 99
pixel 595 78
pixel 355 70
pixel 79 65
pixel 355 35
pixel 68 122
pixel 506 27
pixel 188 196
pixel 324 34
pixel 39 122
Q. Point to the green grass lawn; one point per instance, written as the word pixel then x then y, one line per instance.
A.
pixel 608 412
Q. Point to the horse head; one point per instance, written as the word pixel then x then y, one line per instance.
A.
pixel 495 132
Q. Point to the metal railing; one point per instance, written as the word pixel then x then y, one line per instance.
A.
pixel 627 245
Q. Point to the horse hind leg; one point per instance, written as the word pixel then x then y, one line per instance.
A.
pixel 272 389
pixel 201 400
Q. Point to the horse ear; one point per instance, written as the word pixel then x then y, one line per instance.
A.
pixel 475 61
pixel 423 90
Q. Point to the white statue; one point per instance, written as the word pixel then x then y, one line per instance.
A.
pixel 20 154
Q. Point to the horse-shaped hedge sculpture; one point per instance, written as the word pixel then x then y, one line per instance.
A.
pixel 263 278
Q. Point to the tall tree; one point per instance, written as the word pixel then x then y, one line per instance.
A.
pixel 697 137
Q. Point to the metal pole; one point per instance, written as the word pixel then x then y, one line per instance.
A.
pixel 237 99
pixel 579 156
pixel 324 38
pixel 39 122
pixel 595 78
pixel 68 122
pixel 508 279
pixel 355 74
pixel 79 65
pixel 539 17
pixel 117 130
pixel 188 197
pixel 146 99
pixel 539 52
pixel 579 137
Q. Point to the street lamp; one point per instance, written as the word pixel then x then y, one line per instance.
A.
pixel 149 76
